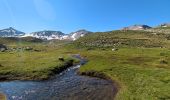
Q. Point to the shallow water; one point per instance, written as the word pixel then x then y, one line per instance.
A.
pixel 66 86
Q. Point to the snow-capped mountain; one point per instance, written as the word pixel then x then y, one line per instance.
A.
pixel 48 35
pixel 78 34
pixel 137 27
pixel 11 32
pixel 45 35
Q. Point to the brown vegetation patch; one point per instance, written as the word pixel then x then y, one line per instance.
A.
pixel 139 60
pixel 2 96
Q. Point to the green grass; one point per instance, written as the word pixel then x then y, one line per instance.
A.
pixel 141 66
pixel 123 39
pixel 32 65
pixel 139 72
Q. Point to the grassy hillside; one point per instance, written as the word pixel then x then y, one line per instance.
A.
pixel 165 30
pixel 142 74
pixel 124 39
pixel 140 66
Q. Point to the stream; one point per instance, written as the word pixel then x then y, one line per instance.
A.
pixel 68 85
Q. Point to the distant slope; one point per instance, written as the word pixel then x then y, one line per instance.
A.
pixel 123 38
pixel 163 28
pixel 9 40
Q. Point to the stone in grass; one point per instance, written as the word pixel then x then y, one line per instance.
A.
pixel 61 58
pixel 2 48
pixel 114 49
pixel 163 62
pixel 28 48
pixel 1 65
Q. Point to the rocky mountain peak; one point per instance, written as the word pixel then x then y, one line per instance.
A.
pixel 137 27
pixel 11 32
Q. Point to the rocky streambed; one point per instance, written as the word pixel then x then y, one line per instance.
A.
pixel 68 85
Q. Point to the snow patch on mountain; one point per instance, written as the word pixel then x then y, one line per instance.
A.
pixel 48 35
pixel 78 34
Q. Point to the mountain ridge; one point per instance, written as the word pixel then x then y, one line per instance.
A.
pixel 58 35
pixel 45 34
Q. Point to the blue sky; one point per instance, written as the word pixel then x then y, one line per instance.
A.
pixel 72 15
